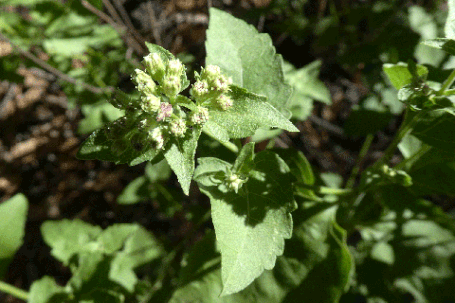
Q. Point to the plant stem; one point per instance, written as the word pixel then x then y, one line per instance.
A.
pixel 13 291
pixel 229 145
pixel 447 83
pixel 363 152
pixel 405 128
pixel 324 190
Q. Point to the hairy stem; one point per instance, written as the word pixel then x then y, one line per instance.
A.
pixel 13 291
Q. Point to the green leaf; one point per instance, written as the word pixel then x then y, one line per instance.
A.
pixel 68 237
pixel 45 290
pixel 399 75
pixel 135 192
pixel 244 162
pixel 138 248
pixel 253 112
pixel 447 45
pixel 98 146
pixel 248 57
pixel 315 239
pixel 13 215
pixel 250 226
pixel 96 115
pixel 449 28
pixel 307 87
pixel 436 129
pixel 158 172
pixel 180 156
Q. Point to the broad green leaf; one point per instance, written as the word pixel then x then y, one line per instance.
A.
pixel 253 112
pixel 450 23
pixel 447 45
pixel 69 237
pixel 97 146
pixel 250 226
pixel 158 172
pixel 248 57
pixel 138 248
pixel 436 128
pixel 307 87
pixel 96 115
pixel 45 290
pixel 399 75
pixel 180 157
pixel 314 241
pixel 13 215
pixel 135 192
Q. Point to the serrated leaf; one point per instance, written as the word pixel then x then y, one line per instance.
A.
pixel 399 75
pixel 314 241
pixel 97 146
pixel 13 215
pixel 447 45
pixel 45 289
pixel 246 56
pixel 180 157
pixel 253 112
pixel 67 238
pixel 250 226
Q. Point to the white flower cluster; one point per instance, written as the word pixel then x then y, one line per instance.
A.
pixel 212 87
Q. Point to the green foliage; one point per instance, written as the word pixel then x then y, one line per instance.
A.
pixel 250 224
pixel 13 214
pixel 401 245
pixel 102 261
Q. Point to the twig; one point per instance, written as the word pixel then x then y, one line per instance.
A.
pixel 128 22
pixel 121 29
pixel 58 73
pixel 155 28
pixel 13 290
pixel 113 13
pixel 261 23
pixel 10 93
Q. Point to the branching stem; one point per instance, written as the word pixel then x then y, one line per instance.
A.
pixel 13 291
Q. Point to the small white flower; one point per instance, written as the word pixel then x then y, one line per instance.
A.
pixel 175 67
pixel 150 103
pixel 234 182
pixel 224 102
pixel 178 127
pixel 200 116
pixel 157 137
pixel 212 71
pixel 199 88
pixel 154 65
pixel 221 83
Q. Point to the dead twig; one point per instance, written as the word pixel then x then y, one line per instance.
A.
pixel 128 22
pixel 121 29
pixel 154 24
pixel 53 70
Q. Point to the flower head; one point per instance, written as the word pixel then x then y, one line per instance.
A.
pixel 178 127
pixel 150 103
pixel 200 116
pixel 224 102
pixel 165 111
pixel 155 65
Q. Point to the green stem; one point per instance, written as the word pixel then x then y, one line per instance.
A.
pixel 412 158
pixel 229 145
pixel 324 190
pixel 13 291
pixel 407 125
pixel 363 152
pixel 447 83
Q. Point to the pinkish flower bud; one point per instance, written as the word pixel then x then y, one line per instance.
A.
pixel 165 111
pixel 200 116
pixel 224 102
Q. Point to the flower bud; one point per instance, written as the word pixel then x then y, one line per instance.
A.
pixel 144 83
pixel 178 127
pixel 224 102
pixel 175 68
pixel 221 83
pixel 165 111
pixel 155 66
pixel 171 86
pixel 150 103
pixel 234 182
pixel 199 89
pixel 200 116
pixel 211 72
pixel 157 137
